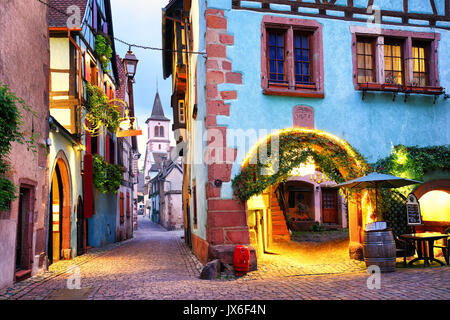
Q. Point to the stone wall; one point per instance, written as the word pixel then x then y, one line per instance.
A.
pixel 24 67
pixel 226 222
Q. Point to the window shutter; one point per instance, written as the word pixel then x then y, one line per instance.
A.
pixel 121 207
pixel 88 186
pixel 105 28
pixel 87 67
pixel 128 204
pixel 88 142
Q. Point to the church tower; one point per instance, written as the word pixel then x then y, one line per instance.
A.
pixel 158 143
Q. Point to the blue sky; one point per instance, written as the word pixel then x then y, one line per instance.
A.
pixel 139 22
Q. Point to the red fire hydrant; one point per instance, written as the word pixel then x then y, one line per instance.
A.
pixel 241 260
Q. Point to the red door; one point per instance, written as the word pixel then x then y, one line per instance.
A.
pixel 329 206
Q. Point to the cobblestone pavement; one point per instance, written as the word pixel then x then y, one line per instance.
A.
pixel 157 265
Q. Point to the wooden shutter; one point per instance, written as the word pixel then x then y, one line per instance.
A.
pixel 128 204
pixel 88 186
pixel 121 207
pixel 88 142
pixel 87 67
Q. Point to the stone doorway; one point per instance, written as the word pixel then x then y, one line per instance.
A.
pixel 24 238
pixel 59 246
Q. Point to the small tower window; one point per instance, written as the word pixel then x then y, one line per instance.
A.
pixel 161 131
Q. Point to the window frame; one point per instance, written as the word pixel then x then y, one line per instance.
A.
pixel 407 39
pixel 373 43
pixel 291 26
pixel 427 60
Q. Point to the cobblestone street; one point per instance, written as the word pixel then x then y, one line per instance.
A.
pixel 156 264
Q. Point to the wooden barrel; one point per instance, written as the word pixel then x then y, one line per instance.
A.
pixel 379 249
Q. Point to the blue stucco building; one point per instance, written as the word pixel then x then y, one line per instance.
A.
pixel 368 74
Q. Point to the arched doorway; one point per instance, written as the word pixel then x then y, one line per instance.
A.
pixel 266 182
pixel 60 212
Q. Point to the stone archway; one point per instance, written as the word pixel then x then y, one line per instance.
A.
pixel 332 156
pixel 60 210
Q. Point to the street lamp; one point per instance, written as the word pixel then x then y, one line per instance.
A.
pixel 130 61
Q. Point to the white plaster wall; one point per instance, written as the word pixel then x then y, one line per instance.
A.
pixel 60 143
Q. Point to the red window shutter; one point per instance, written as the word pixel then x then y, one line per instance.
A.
pixel 88 142
pixel 121 207
pixel 107 91
pixel 87 67
pixel 107 148
pixel 128 204
pixel 88 189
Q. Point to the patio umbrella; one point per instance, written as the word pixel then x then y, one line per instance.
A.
pixel 377 180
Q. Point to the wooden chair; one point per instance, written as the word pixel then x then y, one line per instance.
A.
pixel 445 247
pixel 404 248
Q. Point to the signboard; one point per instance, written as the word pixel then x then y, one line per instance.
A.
pixel 413 211
pixel 303 117
pixel 128 133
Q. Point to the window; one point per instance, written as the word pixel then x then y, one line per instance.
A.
pixel 181 115
pixel 365 52
pixel 420 64
pixel 161 131
pixel 393 62
pixel 112 149
pixel 292 61
pixel 94 145
pixel 156 131
pixel 276 56
pixel 302 58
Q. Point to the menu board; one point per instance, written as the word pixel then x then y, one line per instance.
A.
pixel 413 211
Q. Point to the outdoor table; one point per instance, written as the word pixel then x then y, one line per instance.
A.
pixel 425 245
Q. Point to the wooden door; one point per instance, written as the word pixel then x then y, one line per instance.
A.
pixel 329 206
pixel 80 227
pixel 24 231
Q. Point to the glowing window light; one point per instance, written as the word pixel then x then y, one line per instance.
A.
pixel 435 206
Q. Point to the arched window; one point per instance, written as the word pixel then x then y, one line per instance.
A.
pixel 161 131
pixel 156 131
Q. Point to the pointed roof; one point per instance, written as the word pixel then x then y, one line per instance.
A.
pixel 157 112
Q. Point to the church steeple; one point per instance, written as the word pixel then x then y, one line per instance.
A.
pixel 157 112
pixel 158 131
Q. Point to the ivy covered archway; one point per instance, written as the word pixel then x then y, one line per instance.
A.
pixel 286 149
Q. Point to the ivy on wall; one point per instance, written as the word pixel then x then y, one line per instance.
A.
pixel 296 147
pixel 107 177
pixel 412 162
pixel 104 51
pixel 10 123
pixel 99 111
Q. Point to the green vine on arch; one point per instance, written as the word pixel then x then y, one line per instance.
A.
pixel 335 158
